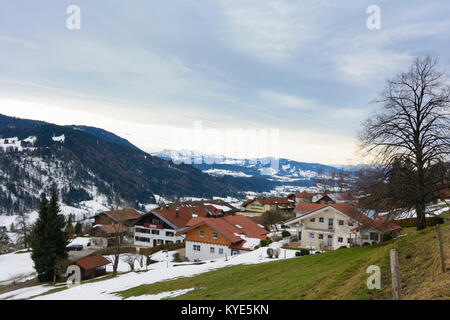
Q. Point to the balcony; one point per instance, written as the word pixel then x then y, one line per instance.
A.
pixel 316 229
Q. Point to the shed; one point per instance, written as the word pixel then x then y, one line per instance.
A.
pixel 93 266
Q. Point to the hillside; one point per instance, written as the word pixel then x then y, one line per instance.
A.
pixel 335 275
pixel 83 166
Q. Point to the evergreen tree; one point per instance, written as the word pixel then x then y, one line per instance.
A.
pixel 49 240
pixel 4 241
pixel 78 228
pixel 69 227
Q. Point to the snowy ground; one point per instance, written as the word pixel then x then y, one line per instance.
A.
pixel 164 269
pixel 16 267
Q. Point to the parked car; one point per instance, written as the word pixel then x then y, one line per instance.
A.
pixel 76 247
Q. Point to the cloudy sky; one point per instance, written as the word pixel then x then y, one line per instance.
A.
pixel 152 71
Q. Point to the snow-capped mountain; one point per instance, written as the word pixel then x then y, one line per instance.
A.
pixel 85 164
pixel 281 171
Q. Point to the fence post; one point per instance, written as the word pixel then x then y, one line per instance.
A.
pixel 441 248
pixel 396 283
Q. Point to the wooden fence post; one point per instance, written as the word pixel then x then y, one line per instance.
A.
pixel 396 282
pixel 441 248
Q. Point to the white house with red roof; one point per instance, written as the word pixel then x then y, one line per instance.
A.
pixel 213 238
pixel 160 226
pixel 331 226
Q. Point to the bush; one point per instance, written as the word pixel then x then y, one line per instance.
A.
pixel 366 244
pixel 386 236
pixel 298 254
pixel 304 252
pixel 276 238
pixel 168 246
pixel 285 234
pixel 264 242
pixel 342 247
pixel 176 257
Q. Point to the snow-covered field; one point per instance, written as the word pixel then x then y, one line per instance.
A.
pixel 16 267
pixel 164 269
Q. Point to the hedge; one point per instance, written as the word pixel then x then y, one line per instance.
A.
pixel 168 246
pixel 412 222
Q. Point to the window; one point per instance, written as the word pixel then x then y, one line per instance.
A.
pixel 374 236
pixel 169 234
pixel 311 235
pixel 155 231
pixel 321 220
pixel 202 233
pixel 340 239
pixel 341 222
pixel 168 241
pixel 330 223
pixel 313 220
pixel 350 224
pixel 214 235
pixel 196 247
pixel 320 236
pixel 220 250
pixel 211 250
pixel 349 240
pixel 234 252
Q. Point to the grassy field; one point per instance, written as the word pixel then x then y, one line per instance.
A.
pixel 340 274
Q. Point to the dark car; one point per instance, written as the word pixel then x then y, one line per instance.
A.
pixel 76 247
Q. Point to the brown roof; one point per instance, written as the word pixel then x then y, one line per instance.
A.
pixel 110 229
pixel 276 200
pixel 91 262
pixel 230 226
pixel 185 214
pixel 123 215
pixel 198 203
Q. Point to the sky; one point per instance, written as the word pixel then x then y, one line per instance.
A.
pixel 291 78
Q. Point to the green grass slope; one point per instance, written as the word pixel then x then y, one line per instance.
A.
pixel 340 274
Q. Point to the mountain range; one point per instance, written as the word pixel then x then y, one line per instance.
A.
pixel 86 163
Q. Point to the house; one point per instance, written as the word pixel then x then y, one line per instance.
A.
pixel 310 197
pixel 212 238
pixel 443 189
pixel 126 217
pixel 109 224
pixel 92 266
pixel 217 203
pixel 160 226
pixel 331 226
pixel 343 197
pixel 258 206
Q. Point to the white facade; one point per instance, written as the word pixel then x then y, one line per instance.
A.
pixel 150 237
pixel 197 251
pixel 329 229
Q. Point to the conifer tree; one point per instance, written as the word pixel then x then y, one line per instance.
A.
pixel 49 240
pixel 69 227
pixel 78 228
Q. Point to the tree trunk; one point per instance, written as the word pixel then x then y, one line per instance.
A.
pixel 420 212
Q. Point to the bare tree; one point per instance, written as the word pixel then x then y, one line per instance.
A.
pixel 117 239
pixel 23 228
pixel 411 133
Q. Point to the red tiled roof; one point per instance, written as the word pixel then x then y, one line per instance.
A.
pixel 228 227
pixel 123 215
pixel 309 207
pixel 185 214
pixel 87 263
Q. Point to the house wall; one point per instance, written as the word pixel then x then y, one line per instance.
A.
pixel 321 228
pixel 102 219
pixel 206 243
pixel 144 237
pixel 205 251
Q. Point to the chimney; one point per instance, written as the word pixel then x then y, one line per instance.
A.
pixel 177 212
